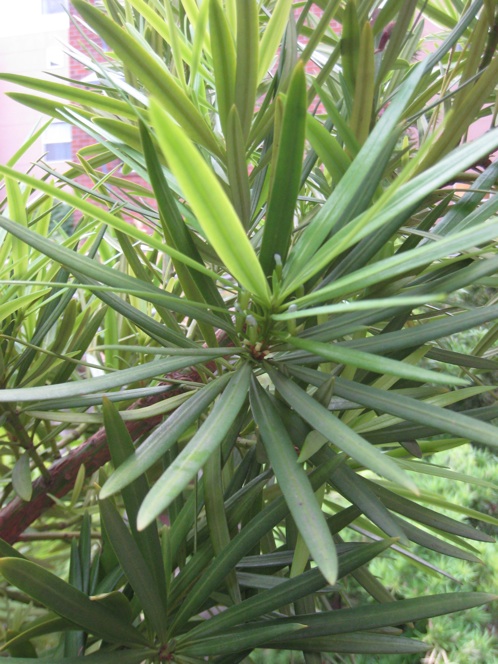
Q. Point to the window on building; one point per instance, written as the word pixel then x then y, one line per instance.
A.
pixel 57 141
pixel 54 6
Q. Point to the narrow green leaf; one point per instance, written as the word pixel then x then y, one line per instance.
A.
pixel 397 39
pixel 356 643
pixel 210 204
pixel 339 433
pixel 243 543
pixel 328 148
pixel 199 39
pixel 431 518
pixel 195 454
pixel 7 551
pixel 343 130
pixel 48 624
pixel 439 471
pixel 136 656
pixel 21 302
pixel 216 516
pixel 361 115
pixel 287 177
pixel 386 615
pixel 167 205
pixel 195 284
pixel 446 421
pixel 371 362
pixel 59 596
pixel 237 167
pixel 17 211
pixel 140 577
pixel 360 305
pixel 420 334
pixel 247 61
pixel 122 448
pixel 350 45
pixel 115 379
pixel 28 142
pixel 398 201
pixel 163 437
pixel 287 592
pixel 176 42
pixel 163 28
pixel 237 640
pixel 294 484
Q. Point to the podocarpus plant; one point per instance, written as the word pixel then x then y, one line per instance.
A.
pixel 279 317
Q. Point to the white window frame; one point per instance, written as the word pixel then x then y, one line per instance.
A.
pixel 58 136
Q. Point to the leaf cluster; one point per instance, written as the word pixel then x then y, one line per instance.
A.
pixel 275 280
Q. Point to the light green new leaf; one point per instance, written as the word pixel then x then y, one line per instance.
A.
pixel 294 484
pixel 21 478
pixel 195 454
pixel 68 602
pixel 370 362
pixel 21 302
pixel 328 148
pixel 210 204
pixel 17 211
pixel 272 35
pixel 339 433
pixel 169 33
pixel 113 220
pixel 72 93
pixel 398 201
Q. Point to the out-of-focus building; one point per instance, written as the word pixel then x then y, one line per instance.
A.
pixel 33 39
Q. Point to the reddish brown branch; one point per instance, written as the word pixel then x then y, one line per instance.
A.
pixel 93 453
pixel 17 515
